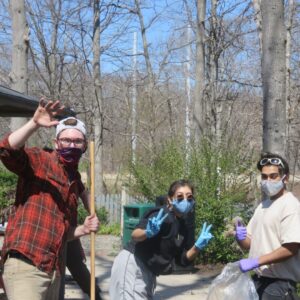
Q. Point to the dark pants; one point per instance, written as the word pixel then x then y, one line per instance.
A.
pixel 78 269
pixel 275 289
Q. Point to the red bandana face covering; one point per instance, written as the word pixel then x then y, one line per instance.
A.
pixel 69 156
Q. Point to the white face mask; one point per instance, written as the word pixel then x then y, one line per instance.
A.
pixel 272 188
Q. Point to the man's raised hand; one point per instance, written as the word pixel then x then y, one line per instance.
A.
pixel 46 112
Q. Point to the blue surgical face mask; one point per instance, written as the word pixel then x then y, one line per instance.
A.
pixel 272 188
pixel 183 206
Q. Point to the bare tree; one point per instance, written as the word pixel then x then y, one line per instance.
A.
pixel 187 75
pixel 258 20
pixel 200 108
pixel 19 69
pixel 224 69
pixel 134 98
pixel 5 42
pixel 48 20
pixel 215 106
pixel 289 24
pixel 274 76
pixel 150 76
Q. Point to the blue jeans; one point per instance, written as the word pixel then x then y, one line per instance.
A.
pixel 275 289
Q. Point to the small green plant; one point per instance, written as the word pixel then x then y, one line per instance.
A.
pixel 113 229
pixel 101 213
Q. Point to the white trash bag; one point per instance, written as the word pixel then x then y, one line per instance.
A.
pixel 232 284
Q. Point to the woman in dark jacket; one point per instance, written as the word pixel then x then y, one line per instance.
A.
pixel 160 237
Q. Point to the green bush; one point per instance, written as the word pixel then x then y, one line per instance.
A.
pixel 113 229
pixel 219 173
pixel 8 183
pixel 152 178
pixel 101 213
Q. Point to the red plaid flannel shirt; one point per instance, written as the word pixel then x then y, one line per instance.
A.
pixel 46 205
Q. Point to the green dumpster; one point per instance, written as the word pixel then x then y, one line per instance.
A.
pixel 132 215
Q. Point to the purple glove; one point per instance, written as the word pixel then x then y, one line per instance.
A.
pixel 248 264
pixel 240 231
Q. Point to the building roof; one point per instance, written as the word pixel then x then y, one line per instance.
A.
pixel 15 104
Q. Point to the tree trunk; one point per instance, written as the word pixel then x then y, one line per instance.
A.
pixel 145 44
pixel 215 107
pixel 150 79
pixel 187 75
pixel 258 20
pixel 289 110
pixel 200 110
pixel 19 70
pixel 53 57
pixel 134 98
pixel 97 106
pixel 274 76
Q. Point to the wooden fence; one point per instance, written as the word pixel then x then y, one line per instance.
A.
pixel 114 205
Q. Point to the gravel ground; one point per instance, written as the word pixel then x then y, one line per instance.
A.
pixel 107 245
pixel 183 285
pixel 187 286
pixel 106 248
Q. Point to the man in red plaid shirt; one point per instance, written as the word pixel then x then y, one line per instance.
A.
pixel 45 214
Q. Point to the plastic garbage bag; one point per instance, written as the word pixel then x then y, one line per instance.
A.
pixel 232 284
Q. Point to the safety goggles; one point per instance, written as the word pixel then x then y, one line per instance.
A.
pixel 273 161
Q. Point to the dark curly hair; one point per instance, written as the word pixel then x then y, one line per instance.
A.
pixel 285 170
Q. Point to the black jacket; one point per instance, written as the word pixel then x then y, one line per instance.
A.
pixel 176 236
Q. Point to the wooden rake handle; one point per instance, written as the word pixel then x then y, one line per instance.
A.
pixel 92 207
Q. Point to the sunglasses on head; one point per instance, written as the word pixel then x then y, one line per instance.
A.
pixel 273 161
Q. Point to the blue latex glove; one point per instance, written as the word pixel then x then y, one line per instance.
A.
pixel 240 231
pixel 154 224
pixel 248 264
pixel 204 237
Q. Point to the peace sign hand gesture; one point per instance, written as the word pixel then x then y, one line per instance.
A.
pixel 154 224
pixel 204 237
